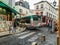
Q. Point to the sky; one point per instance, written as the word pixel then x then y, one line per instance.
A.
pixel 32 2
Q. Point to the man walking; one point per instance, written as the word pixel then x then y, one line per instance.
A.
pixel 14 25
pixel 50 26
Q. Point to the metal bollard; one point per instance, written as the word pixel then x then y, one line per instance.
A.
pixel 43 37
pixel 58 42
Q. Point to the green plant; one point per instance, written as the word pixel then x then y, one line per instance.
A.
pixel 4 11
pixel 1 10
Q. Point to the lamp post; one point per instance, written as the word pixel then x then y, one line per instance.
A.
pixel 58 38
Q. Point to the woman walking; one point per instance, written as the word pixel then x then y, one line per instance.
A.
pixel 10 25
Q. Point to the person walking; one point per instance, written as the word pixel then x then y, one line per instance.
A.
pixel 50 26
pixel 9 29
pixel 47 23
pixel 14 25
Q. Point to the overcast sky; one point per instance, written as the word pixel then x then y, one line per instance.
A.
pixel 32 2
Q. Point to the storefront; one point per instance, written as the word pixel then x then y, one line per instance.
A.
pixel 6 15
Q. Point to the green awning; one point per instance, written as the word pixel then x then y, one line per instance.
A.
pixel 2 4
pixel 28 16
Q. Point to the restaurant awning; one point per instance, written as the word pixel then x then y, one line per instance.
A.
pixel 4 5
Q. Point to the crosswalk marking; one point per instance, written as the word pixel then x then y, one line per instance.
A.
pixel 24 36
pixel 33 38
pixel 22 33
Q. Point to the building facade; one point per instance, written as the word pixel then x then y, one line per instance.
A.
pixel 9 2
pixel 45 9
pixel 23 11
pixel 23 3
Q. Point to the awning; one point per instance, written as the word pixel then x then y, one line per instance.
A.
pixel 4 5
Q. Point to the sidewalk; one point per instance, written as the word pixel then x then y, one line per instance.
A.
pixel 5 33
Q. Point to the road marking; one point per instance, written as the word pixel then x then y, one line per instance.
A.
pixel 22 33
pixel 24 36
pixel 33 38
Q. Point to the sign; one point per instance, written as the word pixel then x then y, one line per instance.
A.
pixel 31 19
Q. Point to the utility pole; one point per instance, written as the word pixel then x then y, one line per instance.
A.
pixel 58 38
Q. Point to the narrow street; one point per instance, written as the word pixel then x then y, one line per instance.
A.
pixel 27 37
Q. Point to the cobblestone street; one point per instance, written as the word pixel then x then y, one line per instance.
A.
pixel 27 37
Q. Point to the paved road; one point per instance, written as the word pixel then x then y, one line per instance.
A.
pixel 27 37
pixel 51 39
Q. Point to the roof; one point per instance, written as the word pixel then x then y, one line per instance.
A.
pixel 4 5
pixel 25 4
pixel 46 2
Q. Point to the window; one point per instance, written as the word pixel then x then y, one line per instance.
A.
pixel 35 17
pixel 41 5
pixel 49 7
pixel 10 2
pixel 26 12
pixel 20 4
pixel 20 10
pixel 47 13
pixel 26 19
pixel 37 7
pixel 53 16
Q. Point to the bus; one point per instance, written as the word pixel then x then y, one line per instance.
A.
pixel 32 22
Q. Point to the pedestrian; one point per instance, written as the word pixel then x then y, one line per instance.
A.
pixel 50 26
pixel 9 29
pixel 46 23
pixel 14 25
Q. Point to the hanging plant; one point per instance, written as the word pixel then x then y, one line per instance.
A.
pixel 4 11
pixel 1 11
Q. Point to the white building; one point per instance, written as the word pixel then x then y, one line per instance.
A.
pixel 49 11
pixel 23 11
pixel 9 2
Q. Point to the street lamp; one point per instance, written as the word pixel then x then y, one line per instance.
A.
pixel 54 3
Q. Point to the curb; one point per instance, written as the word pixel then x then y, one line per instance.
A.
pixel 7 33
